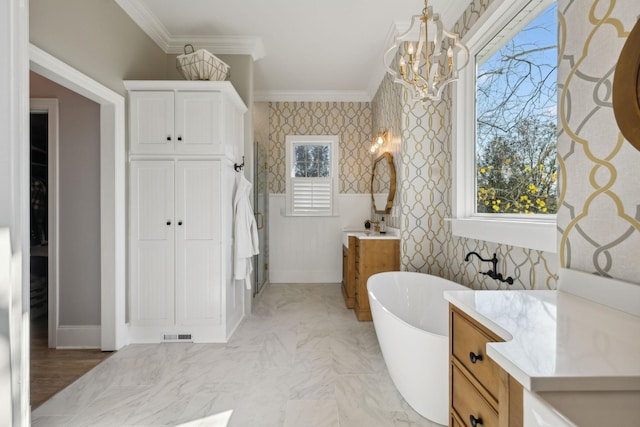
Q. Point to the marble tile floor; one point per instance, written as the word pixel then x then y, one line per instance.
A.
pixel 300 360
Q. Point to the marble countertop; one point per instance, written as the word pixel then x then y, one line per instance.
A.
pixel 362 234
pixel 556 341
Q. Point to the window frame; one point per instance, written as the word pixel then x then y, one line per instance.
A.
pixel 527 231
pixel 333 142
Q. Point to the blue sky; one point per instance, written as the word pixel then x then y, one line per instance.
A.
pixel 535 38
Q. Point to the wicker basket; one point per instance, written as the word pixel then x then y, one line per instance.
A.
pixel 201 65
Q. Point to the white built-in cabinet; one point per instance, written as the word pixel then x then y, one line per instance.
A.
pixel 184 140
pixel 181 122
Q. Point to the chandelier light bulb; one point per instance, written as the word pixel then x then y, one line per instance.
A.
pixel 403 67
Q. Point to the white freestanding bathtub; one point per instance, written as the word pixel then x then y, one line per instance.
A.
pixel 410 316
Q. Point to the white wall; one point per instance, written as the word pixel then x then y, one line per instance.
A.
pixel 14 198
pixel 5 331
pixel 309 249
pixel 97 38
pixel 79 203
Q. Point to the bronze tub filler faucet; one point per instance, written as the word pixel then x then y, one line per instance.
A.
pixel 491 273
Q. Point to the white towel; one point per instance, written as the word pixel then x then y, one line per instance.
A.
pixel 246 232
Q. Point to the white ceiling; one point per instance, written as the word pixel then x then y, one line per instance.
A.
pixel 304 49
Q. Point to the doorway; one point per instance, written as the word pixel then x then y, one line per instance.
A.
pixel 261 206
pixel 39 217
pixel 43 213
pixel 76 299
pixel 44 115
pixel 113 330
pixel 65 279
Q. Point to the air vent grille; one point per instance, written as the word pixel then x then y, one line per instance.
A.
pixel 177 337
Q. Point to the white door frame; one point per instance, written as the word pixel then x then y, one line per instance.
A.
pixel 49 106
pixel 112 190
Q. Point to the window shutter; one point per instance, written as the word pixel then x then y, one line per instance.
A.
pixel 312 181
pixel 311 196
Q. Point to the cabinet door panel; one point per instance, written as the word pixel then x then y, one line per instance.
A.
pixel 153 189
pixel 153 279
pixel 199 294
pixel 152 122
pixel 197 122
pixel 199 285
pixel 152 242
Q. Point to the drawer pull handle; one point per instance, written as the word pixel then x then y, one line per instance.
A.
pixel 475 421
pixel 475 358
pixel 169 138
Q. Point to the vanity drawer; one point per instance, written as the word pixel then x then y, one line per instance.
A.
pixel 467 402
pixel 454 423
pixel 468 345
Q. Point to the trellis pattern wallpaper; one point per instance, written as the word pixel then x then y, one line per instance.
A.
pixel 386 115
pixel 427 244
pixel 600 180
pixel 350 120
pixel 599 215
pixel 426 186
pixel 261 137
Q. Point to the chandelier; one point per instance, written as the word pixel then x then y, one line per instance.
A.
pixel 425 66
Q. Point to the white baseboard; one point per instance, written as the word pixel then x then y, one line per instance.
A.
pixel 78 336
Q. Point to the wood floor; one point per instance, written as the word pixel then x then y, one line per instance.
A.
pixel 53 370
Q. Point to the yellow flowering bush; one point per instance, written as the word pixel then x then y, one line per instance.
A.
pixel 519 175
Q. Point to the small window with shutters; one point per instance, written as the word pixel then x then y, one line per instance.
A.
pixel 312 175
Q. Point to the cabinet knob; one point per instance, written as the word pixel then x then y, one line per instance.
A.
pixel 169 138
pixel 179 222
pixel 475 421
pixel 475 358
pixel 179 138
pixel 168 222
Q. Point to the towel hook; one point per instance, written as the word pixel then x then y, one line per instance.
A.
pixel 238 167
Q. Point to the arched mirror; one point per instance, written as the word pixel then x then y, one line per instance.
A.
pixel 383 184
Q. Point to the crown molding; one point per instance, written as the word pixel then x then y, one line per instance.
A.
pixel 220 45
pixel 312 96
pixel 147 21
pixel 151 25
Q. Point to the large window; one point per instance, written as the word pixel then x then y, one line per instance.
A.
pixel 312 175
pixel 516 95
pixel 506 115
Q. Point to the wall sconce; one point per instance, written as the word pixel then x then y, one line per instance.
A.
pixel 378 141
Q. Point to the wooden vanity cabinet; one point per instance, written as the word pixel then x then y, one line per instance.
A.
pixel 349 273
pixel 480 392
pixel 371 256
